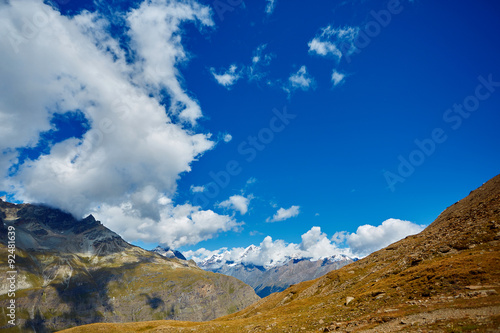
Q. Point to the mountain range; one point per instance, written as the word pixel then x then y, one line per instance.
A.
pixel 73 272
pixel 444 279
pixel 276 276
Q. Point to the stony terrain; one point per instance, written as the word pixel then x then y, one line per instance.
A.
pixel 79 272
pixel 445 279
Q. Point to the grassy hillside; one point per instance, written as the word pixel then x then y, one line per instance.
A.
pixel 447 278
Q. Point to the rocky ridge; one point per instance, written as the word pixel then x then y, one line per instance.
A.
pixel 73 272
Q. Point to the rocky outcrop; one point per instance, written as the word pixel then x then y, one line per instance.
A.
pixel 73 272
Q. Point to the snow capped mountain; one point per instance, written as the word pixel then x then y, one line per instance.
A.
pixel 271 274
pixel 248 255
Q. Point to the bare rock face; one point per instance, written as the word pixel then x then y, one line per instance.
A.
pixel 73 272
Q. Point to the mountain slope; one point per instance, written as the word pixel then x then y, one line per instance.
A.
pixel 276 277
pixel 447 278
pixel 77 272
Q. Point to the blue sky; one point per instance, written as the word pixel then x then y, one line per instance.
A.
pixel 372 90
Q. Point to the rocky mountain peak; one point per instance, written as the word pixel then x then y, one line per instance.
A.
pixel 42 228
pixel 167 252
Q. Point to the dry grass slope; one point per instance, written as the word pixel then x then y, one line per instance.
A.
pixel 445 279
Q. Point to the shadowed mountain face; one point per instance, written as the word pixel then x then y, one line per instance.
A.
pixel 445 279
pixel 275 278
pixel 79 272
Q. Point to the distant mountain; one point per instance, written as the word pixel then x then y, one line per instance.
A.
pixel 168 252
pixel 444 279
pixel 276 276
pixel 74 272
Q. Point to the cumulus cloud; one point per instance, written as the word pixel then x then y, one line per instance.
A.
pixel 334 42
pixel 227 78
pixel 284 214
pixel 237 202
pixel 179 225
pixel 299 80
pixel 337 78
pixel 227 138
pixel 315 245
pixel 155 29
pixel 368 238
pixel 125 167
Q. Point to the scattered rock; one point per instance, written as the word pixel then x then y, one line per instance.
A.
pixel 414 259
pixel 478 287
pixel 390 310
pixel 482 293
pixel 348 300
pixel 444 249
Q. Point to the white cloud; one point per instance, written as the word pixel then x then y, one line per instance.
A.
pixel 255 233
pixel 260 61
pixel 251 180
pixel 368 238
pixel 284 214
pixel 227 78
pixel 237 202
pixel 125 167
pixel 334 41
pixel 227 138
pixel 339 237
pixel 202 253
pixel 197 189
pixel 256 71
pixel 299 80
pixel 315 245
pixel 337 77
pixel 178 225
pixel 270 6
pixel 155 33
